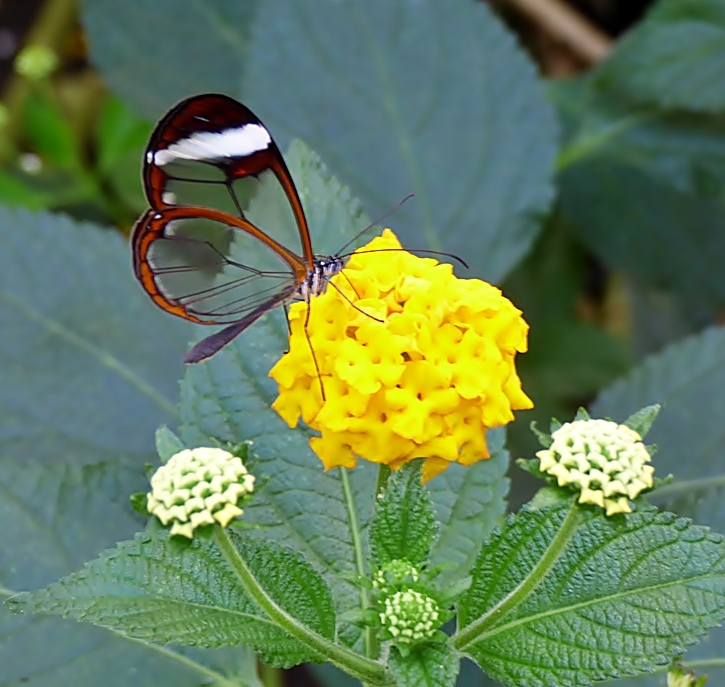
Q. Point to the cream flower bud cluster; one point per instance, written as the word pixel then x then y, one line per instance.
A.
pixel 410 616
pixel 607 461
pixel 199 487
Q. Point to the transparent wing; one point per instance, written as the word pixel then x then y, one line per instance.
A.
pixel 210 267
pixel 211 151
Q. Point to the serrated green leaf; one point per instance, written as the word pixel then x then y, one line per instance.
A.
pixel 673 58
pixel 669 163
pixel 430 97
pixel 404 522
pixel 229 398
pixel 596 613
pixel 165 591
pixel 687 378
pixel 295 586
pixel 203 49
pixel 469 503
pixel 50 133
pixel 434 665
pixel 642 421
pixel 94 363
pixel 167 443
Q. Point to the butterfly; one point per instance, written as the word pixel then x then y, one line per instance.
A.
pixel 210 168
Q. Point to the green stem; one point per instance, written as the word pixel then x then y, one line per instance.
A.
pixel 371 645
pixel 383 477
pixel 472 633
pixel 352 663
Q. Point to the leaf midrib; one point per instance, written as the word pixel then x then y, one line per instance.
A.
pixel 593 602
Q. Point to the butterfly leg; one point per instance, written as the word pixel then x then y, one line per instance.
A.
pixel 289 326
pixel 312 350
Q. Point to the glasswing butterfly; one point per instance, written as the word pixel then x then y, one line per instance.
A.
pixel 210 168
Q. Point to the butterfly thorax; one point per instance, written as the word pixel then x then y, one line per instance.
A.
pixel 324 269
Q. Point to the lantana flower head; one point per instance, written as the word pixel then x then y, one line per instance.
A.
pixel 415 362
pixel 606 462
pixel 199 487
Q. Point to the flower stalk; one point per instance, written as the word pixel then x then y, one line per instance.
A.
pixel 364 669
pixel 477 629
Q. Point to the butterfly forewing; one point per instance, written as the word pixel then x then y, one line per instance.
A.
pixel 226 235
pixel 211 151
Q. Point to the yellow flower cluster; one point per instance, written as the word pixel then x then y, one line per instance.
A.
pixel 414 362
pixel 606 461
pixel 199 487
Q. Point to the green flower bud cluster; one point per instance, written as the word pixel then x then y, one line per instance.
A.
pixel 406 605
pixel 410 616
pixel 606 462
pixel 393 574
pixel 199 487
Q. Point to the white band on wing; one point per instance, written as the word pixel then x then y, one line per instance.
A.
pixel 216 145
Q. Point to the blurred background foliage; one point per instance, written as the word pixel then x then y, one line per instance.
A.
pixel 572 152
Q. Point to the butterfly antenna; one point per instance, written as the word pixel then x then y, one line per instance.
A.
pixel 387 213
pixel 423 251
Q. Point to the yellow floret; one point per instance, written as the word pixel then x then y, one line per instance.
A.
pixel 414 362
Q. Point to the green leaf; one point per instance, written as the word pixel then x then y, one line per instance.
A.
pixel 596 610
pixel 654 232
pixel 92 363
pixel 432 665
pixel 50 133
pixel 430 97
pixel 674 58
pixel 229 399
pixel 469 503
pixel 170 592
pixel 121 141
pixel 687 378
pixel 201 48
pixel 15 190
pixel 404 523
pixel 642 421
pixel 667 171
pixel 167 443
